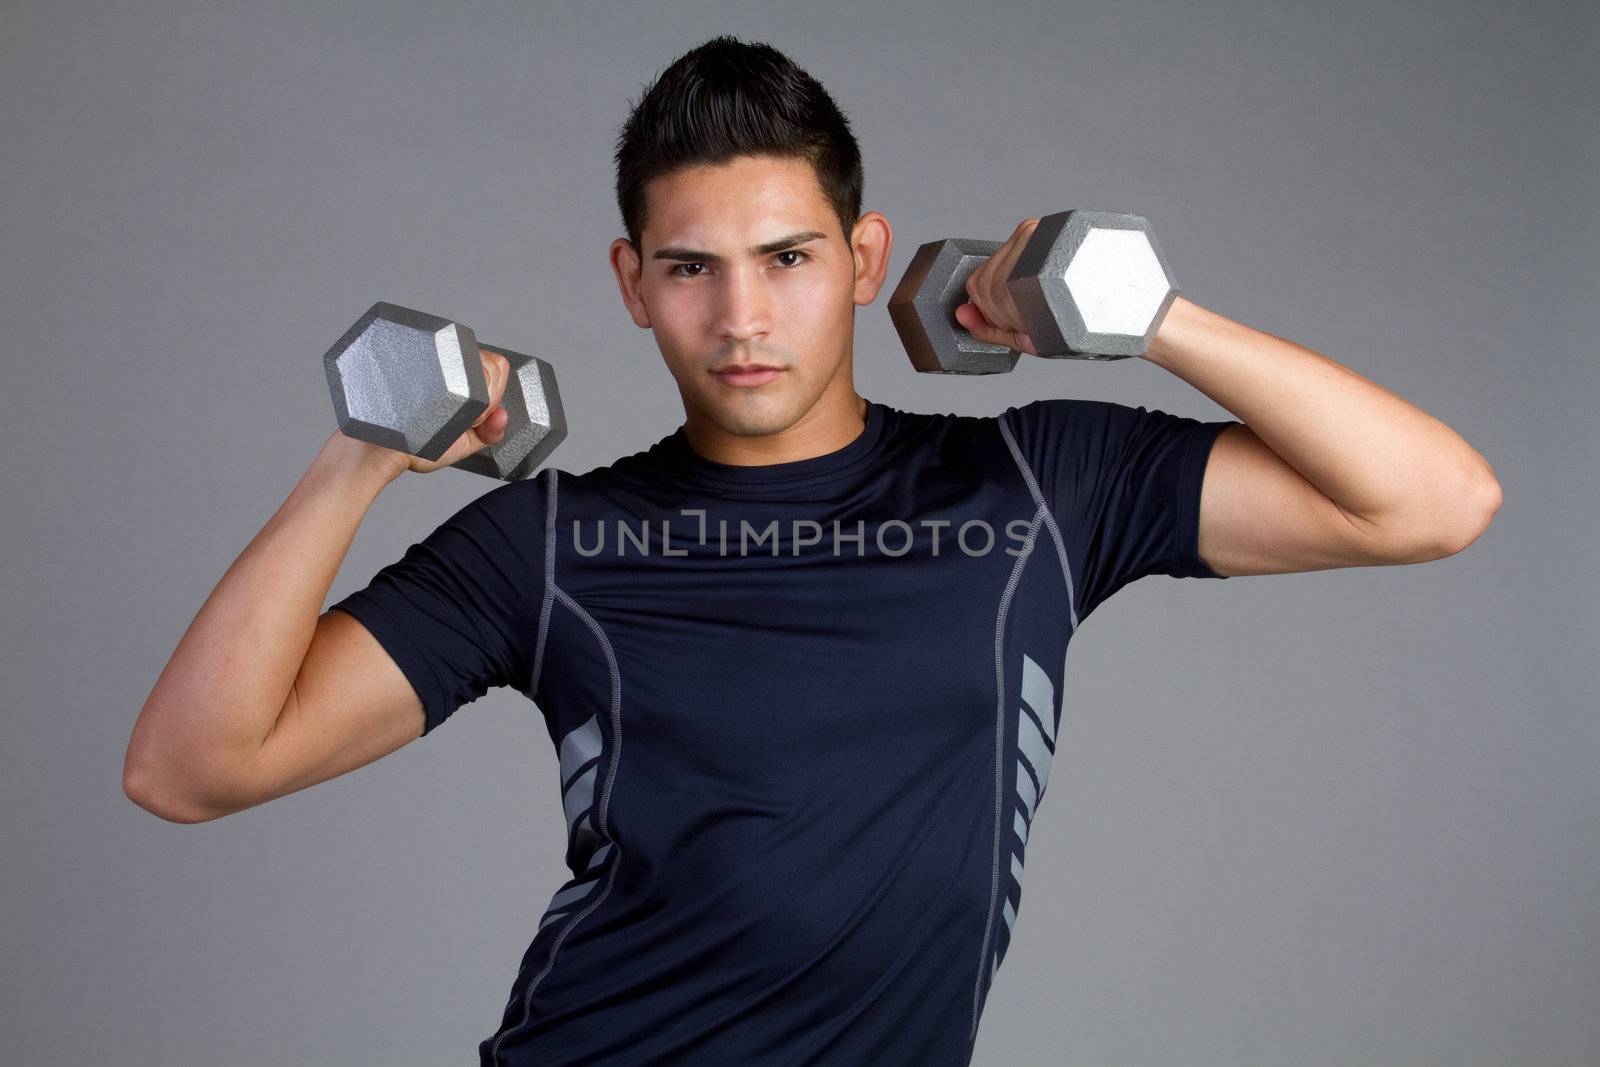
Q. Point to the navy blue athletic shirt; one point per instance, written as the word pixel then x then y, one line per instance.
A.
pixel 804 714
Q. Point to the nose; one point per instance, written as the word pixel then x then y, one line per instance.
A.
pixel 744 309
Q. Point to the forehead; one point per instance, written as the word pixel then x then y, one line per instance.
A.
pixel 735 201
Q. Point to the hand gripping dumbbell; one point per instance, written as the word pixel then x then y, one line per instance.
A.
pixel 414 382
pixel 1089 284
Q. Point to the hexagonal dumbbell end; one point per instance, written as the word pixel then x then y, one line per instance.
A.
pixel 536 423
pixel 923 310
pixel 406 380
pixel 1092 285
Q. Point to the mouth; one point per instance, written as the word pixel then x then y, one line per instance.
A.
pixel 748 374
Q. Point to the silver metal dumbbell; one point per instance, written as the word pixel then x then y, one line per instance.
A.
pixel 1089 284
pixel 414 382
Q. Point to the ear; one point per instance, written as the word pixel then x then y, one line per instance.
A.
pixel 626 266
pixel 870 241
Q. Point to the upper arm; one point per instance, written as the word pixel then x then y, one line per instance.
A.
pixel 349 706
pixel 455 616
pixel 1258 515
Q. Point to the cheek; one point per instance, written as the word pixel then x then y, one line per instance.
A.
pixel 676 309
pixel 816 303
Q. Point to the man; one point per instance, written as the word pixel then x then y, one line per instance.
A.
pixel 801 660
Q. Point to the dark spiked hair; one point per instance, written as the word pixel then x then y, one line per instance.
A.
pixel 728 98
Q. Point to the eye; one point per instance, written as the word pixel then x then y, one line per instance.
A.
pixel 681 270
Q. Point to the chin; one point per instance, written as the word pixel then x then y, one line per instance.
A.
pixel 751 416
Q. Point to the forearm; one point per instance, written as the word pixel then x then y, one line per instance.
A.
pixel 1377 456
pixel 221 692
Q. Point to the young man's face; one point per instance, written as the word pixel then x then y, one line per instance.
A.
pixel 744 263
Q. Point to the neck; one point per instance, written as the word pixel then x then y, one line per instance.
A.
pixel 830 425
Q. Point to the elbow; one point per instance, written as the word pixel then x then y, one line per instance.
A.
pixel 138 789
pixel 1486 500
pixel 175 782
pixel 139 786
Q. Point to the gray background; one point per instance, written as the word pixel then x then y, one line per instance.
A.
pixel 1330 818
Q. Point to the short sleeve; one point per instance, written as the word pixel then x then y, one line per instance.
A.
pixel 1124 486
pixel 459 611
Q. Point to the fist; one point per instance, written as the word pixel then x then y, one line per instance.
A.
pixel 990 314
pixel 489 428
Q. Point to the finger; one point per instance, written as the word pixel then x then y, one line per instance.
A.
pixel 973 320
pixel 987 287
pixel 496 372
pixel 503 366
pixel 1000 281
pixel 991 275
pixel 487 431
pixel 1008 253
pixel 980 283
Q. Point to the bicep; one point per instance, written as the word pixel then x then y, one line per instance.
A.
pixel 350 705
pixel 1258 515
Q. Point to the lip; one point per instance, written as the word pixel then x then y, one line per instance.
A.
pixel 748 374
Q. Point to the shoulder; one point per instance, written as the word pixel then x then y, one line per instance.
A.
pixel 1065 414
pixel 1095 427
pixel 913 428
pixel 517 501
pixel 557 493
pixel 506 520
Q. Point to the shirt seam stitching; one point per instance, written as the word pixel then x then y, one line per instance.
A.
pixel 602 807
pixel 547 606
pixel 1049 517
pixel 999 753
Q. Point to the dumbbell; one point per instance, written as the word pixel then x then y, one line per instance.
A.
pixel 414 382
pixel 1089 284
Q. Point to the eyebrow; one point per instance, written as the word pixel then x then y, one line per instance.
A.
pixel 782 243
